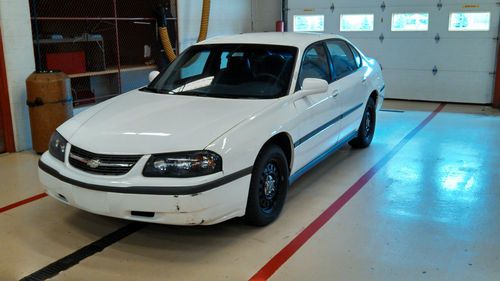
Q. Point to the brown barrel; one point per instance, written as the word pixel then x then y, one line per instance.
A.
pixel 50 104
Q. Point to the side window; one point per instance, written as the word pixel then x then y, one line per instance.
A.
pixel 223 60
pixel 195 65
pixel 357 57
pixel 315 64
pixel 343 59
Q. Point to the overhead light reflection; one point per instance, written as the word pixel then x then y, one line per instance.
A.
pixel 148 134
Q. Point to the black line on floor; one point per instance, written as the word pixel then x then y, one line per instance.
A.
pixel 392 110
pixel 73 259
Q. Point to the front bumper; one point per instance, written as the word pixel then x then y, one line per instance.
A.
pixel 217 200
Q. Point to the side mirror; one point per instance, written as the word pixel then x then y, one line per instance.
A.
pixel 313 86
pixel 153 74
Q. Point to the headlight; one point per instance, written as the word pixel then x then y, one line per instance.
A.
pixel 183 164
pixel 57 146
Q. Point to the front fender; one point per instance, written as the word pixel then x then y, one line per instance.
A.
pixel 240 146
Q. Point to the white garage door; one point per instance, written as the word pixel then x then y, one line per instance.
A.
pixel 440 62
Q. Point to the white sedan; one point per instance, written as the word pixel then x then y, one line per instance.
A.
pixel 221 133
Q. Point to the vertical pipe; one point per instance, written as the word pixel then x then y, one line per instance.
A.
pixel 117 48
pixel 5 112
pixel 496 93
pixel 284 14
pixel 34 5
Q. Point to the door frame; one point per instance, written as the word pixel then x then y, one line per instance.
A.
pixel 5 103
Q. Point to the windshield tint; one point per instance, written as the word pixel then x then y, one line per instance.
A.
pixel 229 71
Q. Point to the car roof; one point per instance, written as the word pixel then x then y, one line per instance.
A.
pixel 299 40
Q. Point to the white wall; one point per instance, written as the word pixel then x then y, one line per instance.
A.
pixel 226 17
pixel 265 13
pixel 20 63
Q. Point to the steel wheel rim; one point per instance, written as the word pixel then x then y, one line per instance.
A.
pixel 368 124
pixel 269 186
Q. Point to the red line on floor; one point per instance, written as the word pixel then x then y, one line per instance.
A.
pixel 23 202
pixel 291 248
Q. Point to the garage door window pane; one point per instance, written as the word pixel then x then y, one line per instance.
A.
pixel 356 22
pixel 469 22
pixel 410 22
pixel 308 23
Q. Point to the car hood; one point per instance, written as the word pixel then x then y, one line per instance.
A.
pixel 146 123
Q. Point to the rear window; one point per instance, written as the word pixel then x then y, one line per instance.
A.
pixel 344 62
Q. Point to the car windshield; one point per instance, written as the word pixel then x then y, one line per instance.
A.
pixel 229 71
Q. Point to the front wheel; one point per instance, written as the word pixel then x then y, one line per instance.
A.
pixel 367 127
pixel 268 186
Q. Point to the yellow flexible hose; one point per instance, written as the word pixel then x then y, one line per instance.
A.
pixel 167 44
pixel 205 16
pixel 165 38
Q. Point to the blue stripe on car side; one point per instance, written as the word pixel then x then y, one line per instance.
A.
pixel 325 126
pixel 321 157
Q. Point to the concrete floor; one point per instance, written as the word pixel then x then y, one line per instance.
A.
pixel 430 213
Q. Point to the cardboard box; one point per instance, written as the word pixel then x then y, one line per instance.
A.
pixel 67 62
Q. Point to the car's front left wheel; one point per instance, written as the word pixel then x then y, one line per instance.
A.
pixel 268 186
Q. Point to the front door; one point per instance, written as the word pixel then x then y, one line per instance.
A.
pixel 318 112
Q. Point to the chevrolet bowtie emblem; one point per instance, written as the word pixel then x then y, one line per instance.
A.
pixel 94 163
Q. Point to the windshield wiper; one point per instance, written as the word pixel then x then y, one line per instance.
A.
pixel 157 91
pixel 149 89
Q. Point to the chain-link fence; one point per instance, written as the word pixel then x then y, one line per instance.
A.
pixel 105 46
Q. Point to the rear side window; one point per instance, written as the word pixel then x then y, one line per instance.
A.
pixel 315 64
pixel 342 57
pixel 357 57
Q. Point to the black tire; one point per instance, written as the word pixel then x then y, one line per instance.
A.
pixel 268 186
pixel 367 127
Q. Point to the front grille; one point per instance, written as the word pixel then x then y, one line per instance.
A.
pixel 110 165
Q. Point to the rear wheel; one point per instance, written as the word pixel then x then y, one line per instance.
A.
pixel 268 186
pixel 367 127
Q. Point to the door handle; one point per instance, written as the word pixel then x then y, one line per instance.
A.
pixel 363 80
pixel 335 94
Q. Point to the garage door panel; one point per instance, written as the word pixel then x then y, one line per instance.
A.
pixel 369 47
pixel 408 53
pixel 464 60
pixel 433 3
pixel 459 55
pixel 311 4
pixel 318 4
pixel 407 84
pixel 463 87
pixel 471 55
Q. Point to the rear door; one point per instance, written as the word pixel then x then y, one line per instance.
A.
pixel 350 87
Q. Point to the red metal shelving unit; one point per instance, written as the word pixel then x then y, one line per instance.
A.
pixel 113 34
